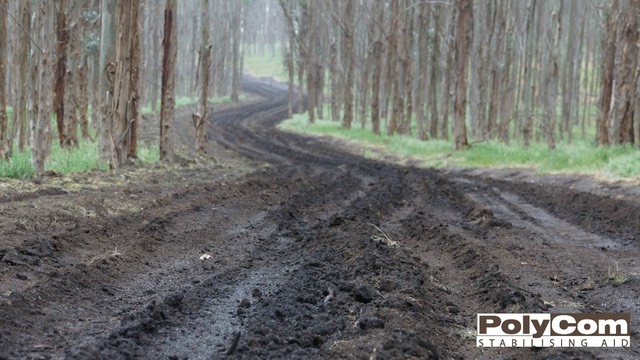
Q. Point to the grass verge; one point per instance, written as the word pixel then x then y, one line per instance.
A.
pixel 582 157
pixel 65 161
pixel 85 156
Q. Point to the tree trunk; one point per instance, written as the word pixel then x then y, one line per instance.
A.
pixel 201 117
pixel 496 73
pixel 608 50
pixel 310 59
pixel 83 100
pixel 157 35
pixel 527 78
pixel 5 143
pixel 107 74
pixel 335 83
pixel 392 80
pixel 72 91
pixel 568 81
pixel 319 89
pixel 349 58
pixel 407 68
pixel 423 44
pixel 447 79
pixel 61 68
pixel 463 43
pixel 125 97
pixel 507 81
pixel 627 75
pixel 301 83
pixel 550 82
pixel 235 30
pixel 42 79
pixel 133 116
pixel 434 76
pixel 290 66
pixel 21 55
pixel 169 57
pixel 378 16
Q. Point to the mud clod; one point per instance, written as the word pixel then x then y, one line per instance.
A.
pixel 364 294
pixel 369 323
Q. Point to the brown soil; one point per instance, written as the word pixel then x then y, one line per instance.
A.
pixel 284 246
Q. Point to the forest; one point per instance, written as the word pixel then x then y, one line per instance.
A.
pixel 319 179
pixel 467 71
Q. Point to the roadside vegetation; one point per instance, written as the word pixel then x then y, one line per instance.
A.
pixel 85 157
pixel 579 157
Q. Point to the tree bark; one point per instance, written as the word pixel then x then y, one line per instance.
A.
pixel 527 79
pixel 392 98
pixel 335 80
pixel 125 96
pixel 22 45
pixel 42 79
pixel 72 91
pixel 83 100
pixel 5 143
pixel 378 17
pixel 406 111
pixel 626 77
pixel 550 82
pixel 568 81
pixel 310 58
pixel 290 63
pixel 235 31
pixel 349 58
pixel 434 75
pixel 463 43
pixel 607 66
pixel 61 68
pixel 496 73
pixel 107 74
pixel 423 44
pixel 169 57
pixel 201 117
pixel 447 79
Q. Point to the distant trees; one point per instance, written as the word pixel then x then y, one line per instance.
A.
pixel 64 60
pixel 538 70
pixel 511 71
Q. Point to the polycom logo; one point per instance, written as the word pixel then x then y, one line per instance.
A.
pixel 553 330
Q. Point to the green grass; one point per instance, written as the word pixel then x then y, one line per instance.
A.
pixel 579 157
pixel 65 161
pixel 18 167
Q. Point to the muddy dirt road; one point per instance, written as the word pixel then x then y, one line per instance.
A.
pixel 298 249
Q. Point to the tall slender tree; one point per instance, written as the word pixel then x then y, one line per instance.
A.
pixel 200 119
pixel 169 56
pixel 62 36
pixel 42 79
pixel 5 149
pixel 463 44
